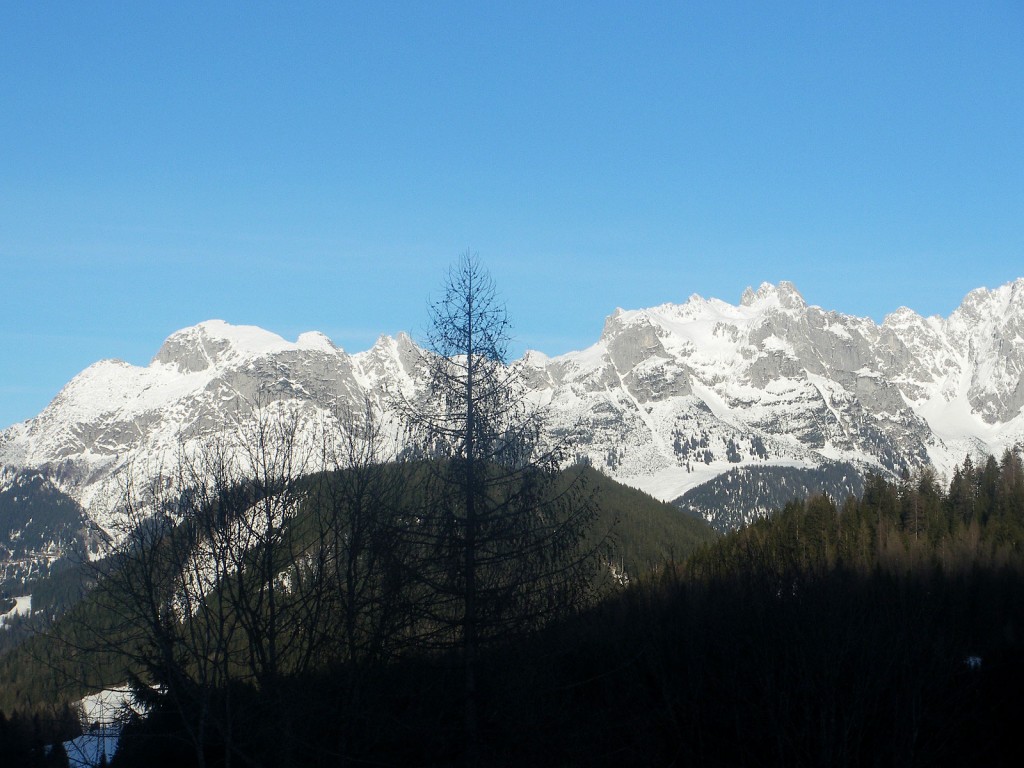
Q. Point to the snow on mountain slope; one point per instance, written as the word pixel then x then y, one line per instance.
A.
pixel 667 399
pixel 202 382
pixel 674 395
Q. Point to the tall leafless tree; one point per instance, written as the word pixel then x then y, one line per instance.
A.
pixel 502 542
pixel 216 581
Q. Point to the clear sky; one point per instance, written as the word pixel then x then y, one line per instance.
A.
pixel 317 166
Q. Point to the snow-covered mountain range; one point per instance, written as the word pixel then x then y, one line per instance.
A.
pixel 724 409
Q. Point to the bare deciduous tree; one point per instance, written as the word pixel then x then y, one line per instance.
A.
pixel 216 579
pixel 502 545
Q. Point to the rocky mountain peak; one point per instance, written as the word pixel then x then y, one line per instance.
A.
pixel 668 399
pixel 398 347
pixel 212 342
pixel 613 323
pixel 903 316
pixel 391 361
pixel 215 343
pixel 1006 301
pixel 784 294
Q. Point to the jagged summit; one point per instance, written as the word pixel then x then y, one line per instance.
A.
pixel 1005 301
pixel 784 295
pixel 215 343
pixel 902 316
pixel 668 398
pixel 753 305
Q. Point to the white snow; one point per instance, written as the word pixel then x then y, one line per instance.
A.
pixel 89 749
pixel 669 483
pixel 107 707
pixel 697 379
pixel 22 607
pixel 316 341
pixel 245 340
pixel 594 356
pixel 102 716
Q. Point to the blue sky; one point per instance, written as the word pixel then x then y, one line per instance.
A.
pixel 306 166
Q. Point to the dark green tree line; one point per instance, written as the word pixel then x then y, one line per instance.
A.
pixel 906 524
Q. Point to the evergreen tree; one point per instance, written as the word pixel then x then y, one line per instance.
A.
pixel 820 533
pixel 988 490
pixel 1011 483
pixel 961 498
pixel 57 757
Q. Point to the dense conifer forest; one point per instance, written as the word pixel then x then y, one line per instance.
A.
pixel 886 630
pixel 92 645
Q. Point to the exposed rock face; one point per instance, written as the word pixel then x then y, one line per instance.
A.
pixel 673 396
pixel 667 399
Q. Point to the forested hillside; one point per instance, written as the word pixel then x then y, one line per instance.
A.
pixel 911 525
pixel 64 661
pixel 890 625
pixel 887 629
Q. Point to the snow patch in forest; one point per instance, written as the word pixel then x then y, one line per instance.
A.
pixel 22 607
pixel 102 715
